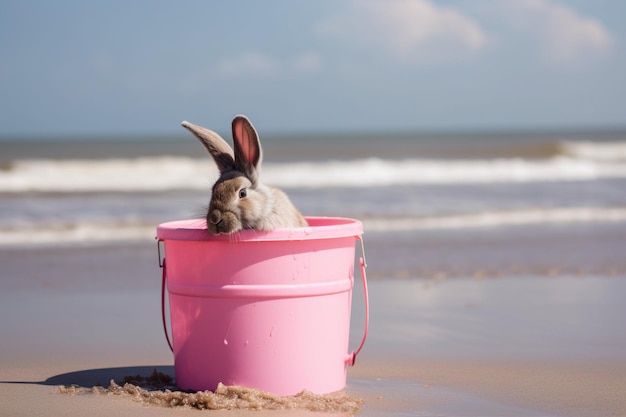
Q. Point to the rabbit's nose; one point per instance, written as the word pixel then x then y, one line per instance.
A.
pixel 215 217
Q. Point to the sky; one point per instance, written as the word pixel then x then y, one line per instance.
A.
pixel 141 67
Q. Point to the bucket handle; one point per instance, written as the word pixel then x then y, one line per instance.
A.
pixel 351 359
pixel 163 287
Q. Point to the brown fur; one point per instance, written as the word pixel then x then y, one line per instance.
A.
pixel 263 208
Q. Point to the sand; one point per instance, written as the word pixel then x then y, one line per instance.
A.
pixel 521 345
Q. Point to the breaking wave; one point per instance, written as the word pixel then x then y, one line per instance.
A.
pixel 576 161
pixel 112 231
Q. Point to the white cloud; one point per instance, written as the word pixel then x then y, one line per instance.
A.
pixel 566 36
pixel 310 62
pixel 249 63
pixel 257 64
pixel 410 29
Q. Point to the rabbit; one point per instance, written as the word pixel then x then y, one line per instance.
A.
pixel 239 200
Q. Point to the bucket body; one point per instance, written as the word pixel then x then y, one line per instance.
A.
pixel 266 310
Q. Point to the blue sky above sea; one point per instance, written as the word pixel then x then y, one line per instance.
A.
pixel 132 68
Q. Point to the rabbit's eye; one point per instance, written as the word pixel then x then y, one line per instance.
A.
pixel 243 193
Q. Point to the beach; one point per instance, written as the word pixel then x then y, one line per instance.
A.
pixel 528 343
pixel 496 268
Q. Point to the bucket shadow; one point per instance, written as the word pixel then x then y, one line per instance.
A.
pixel 94 377
pixel 98 377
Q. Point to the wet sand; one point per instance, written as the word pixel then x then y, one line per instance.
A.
pixel 520 345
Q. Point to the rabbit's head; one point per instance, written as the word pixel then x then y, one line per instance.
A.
pixel 239 200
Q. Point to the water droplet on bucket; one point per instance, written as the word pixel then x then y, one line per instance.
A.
pixel 225 342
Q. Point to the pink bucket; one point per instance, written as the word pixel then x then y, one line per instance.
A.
pixel 265 310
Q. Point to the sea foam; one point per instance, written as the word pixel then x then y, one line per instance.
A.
pixel 112 231
pixel 580 161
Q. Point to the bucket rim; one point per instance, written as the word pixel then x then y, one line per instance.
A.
pixel 318 228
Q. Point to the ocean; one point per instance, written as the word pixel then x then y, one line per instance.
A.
pixel 97 189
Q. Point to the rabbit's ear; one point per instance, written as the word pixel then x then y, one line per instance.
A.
pixel 219 149
pixel 248 153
